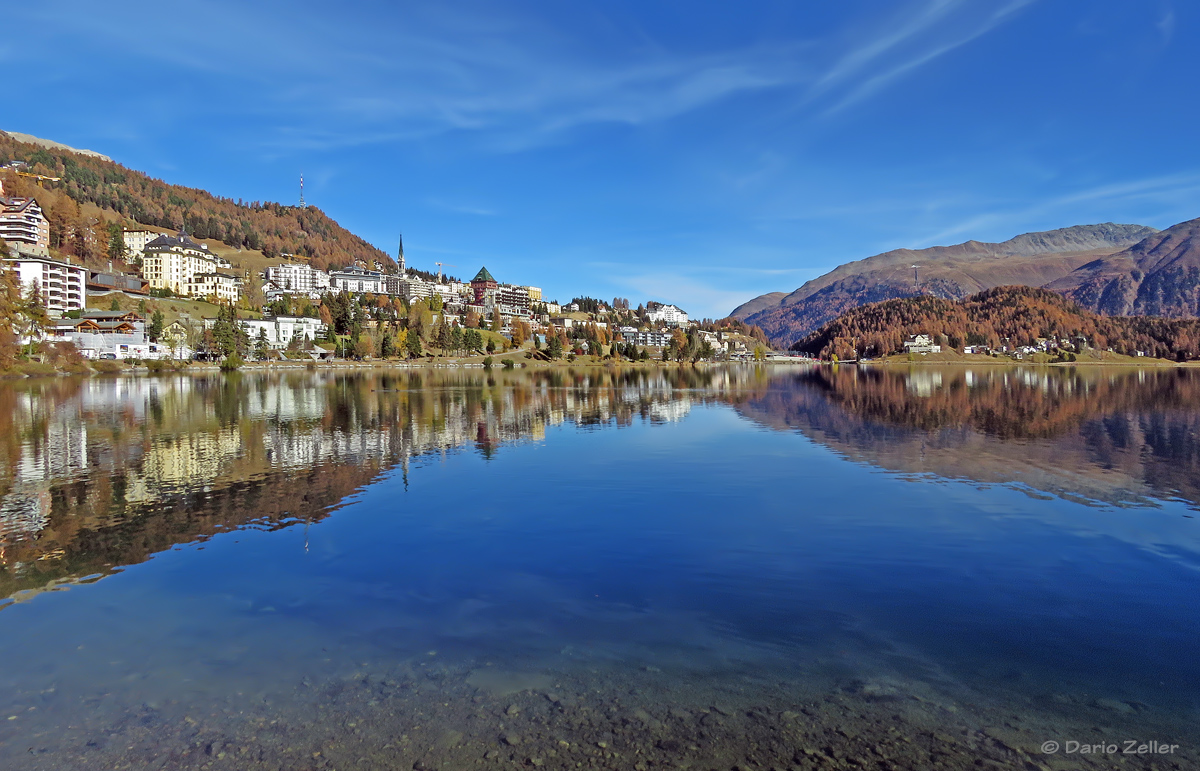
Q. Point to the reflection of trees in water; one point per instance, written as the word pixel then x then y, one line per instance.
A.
pixel 1007 403
pixel 99 473
pixel 1121 429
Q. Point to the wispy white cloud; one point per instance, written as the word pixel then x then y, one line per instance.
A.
pixel 920 26
pixel 354 77
pixel 1166 24
pixel 462 208
pixel 859 57
pixel 1169 196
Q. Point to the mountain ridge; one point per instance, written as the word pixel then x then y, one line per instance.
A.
pixel 50 144
pixel 1158 276
pixel 952 272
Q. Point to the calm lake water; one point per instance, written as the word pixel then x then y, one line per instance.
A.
pixel 779 567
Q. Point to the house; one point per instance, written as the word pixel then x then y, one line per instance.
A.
pixel 670 315
pixel 110 334
pixel 175 334
pixel 921 344
pixel 62 285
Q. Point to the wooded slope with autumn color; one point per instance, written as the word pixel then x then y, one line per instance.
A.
pixel 136 198
pixel 1010 315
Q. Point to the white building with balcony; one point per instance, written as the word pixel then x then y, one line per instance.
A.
pixel 281 330
pixel 22 223
pixel 297 278
pixel 62 285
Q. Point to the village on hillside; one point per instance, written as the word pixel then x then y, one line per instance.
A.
pixel 187 302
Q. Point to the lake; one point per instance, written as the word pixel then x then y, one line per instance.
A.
pixel 737 567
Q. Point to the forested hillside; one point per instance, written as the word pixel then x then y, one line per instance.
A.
pixel 132 197
pixel 1012 315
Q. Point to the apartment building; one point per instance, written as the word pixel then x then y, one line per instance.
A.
pixel 297 278
pixel 136 241
pixel 280 330
pixel 63 286
pixel 356 280
pixel 215 287
pixel 23 224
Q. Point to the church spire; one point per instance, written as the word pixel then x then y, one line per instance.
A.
pixel 400 254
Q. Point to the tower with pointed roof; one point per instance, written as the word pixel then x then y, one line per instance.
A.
pixel 482 282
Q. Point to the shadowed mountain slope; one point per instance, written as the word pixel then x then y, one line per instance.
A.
pixel 1158 276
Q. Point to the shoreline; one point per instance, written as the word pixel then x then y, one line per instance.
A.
pixel 290 366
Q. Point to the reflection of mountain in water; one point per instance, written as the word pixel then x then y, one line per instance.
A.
pixel 105 472
pixel 1088 433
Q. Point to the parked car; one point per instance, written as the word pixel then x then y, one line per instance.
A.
pixel 108 356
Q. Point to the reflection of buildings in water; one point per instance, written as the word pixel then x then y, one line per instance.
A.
pixel 24 513
pixel 670 412
pixel 133 442
pixel 59 453
pixel 922 383
pixel 182 462
pixel 289 402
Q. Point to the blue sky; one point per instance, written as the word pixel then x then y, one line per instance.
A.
pixel 690 152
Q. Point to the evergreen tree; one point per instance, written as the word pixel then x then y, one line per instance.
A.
pixel 261 346
pixel 33 316
pixel 116 243
pixel 413 343
pixel 157 323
